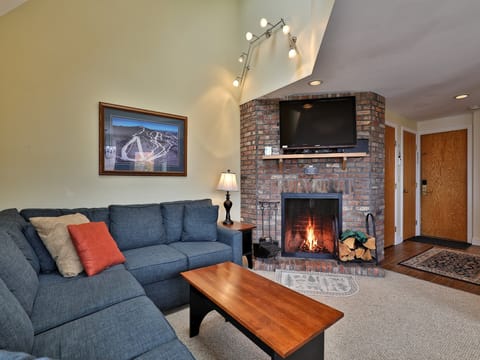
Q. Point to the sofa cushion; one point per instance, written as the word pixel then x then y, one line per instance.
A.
pixel 154 263
pixel 93 214
pixel 45 260
pixel 200 223
pixel 122 331
pixel 204 253
pixel 17 273
pixel 95 247
pixel 173 216
pixel 135 226
pixel 11 215
pixel 172 350
pixel 16 331
pixel 66 299
pixel 54 234
pixel 15 231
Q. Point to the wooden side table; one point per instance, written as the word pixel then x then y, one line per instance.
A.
pixel 246 230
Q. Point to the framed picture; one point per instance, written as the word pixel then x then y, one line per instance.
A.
pixel 141 142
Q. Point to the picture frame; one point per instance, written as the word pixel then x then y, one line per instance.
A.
pixel 141 142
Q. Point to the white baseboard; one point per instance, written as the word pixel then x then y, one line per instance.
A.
pixel 476 241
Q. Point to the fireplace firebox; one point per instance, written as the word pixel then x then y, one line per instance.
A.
pixel 311 224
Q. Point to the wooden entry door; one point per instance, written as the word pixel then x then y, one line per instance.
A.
pixel 409 185
pixel 389 187
pixel 444 185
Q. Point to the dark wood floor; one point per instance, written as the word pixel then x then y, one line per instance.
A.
pixel 396 254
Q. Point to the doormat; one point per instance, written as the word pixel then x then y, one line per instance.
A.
pixel 451 263
pixel 440 242
pixel 313 283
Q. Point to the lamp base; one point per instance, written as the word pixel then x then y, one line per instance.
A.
pixel 228 205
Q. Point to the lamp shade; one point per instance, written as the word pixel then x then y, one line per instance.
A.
pixel 228 182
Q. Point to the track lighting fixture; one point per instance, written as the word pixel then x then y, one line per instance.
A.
pixel 292 43
pixel 254 40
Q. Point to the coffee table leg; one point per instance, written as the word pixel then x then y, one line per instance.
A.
pixel 199 308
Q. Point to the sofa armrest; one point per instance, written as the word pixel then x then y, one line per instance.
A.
pixel 232 238
pixel 11 355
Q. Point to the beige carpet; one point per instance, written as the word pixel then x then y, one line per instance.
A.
pixel 396 317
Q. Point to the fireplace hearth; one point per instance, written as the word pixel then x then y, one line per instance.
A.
pixel 311 224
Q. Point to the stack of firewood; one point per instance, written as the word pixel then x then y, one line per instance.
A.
pixel 356 245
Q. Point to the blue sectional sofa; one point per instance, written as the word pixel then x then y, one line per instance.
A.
pixel 115 314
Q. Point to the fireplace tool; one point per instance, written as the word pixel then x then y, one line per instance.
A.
pixel 373 233
pixel 267 247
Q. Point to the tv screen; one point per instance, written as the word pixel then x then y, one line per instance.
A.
pixel 318 123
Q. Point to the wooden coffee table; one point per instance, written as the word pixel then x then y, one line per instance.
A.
pixel 283 323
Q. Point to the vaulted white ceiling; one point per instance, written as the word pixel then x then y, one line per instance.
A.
pixel 419 54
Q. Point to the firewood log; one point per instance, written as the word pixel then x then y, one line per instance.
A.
pixel 370 243
pixel 343 250
pixel 351 256
pixel 350 242
pixel 367 256
pixel 359 252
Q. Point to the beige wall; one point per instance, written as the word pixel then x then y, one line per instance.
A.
pixel 60 58
pixel 395 119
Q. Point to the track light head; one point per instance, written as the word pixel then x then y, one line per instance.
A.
pixel 242 57
pixel 286 29
pixel 236 82
pixel 263 22
pixel 292 41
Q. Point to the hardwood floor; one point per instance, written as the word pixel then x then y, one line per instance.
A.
pixel 395 254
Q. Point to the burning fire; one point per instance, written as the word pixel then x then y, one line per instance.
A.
pixel 310 242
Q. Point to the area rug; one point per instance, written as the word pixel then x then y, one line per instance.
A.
pixel 393 317
pixel 314 283
pixel 451 263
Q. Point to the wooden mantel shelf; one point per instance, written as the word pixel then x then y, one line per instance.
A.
pixel 344 156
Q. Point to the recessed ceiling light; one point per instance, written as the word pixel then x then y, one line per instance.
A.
pixel 314 82
pixel 461 96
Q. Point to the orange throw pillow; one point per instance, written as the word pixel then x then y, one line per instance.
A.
pixel 95 247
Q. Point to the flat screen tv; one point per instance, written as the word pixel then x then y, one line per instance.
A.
pixel 326 123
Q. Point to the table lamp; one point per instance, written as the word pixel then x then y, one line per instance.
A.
pixel 228 182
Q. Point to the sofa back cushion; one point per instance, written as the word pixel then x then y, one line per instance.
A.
pixel 93 214
pixel 16 329
pixel 135 226
pixel 13 223
pixel 200 223
pixel 16 234
pixel 46 262
pixel 173 213
pixel 17 273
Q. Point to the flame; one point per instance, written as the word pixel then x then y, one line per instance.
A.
pixel 310 241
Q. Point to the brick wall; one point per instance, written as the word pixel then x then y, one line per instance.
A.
pixel 361 183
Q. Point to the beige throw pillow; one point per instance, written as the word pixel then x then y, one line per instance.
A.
pixel 54 234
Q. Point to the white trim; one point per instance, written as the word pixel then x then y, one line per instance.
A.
pixel 469 169
pixel 397 209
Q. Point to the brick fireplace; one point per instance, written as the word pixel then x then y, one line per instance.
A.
pixel 360 183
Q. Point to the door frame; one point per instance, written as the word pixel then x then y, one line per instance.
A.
pixel 397 208
pixel 400 183
pixel 445 128
pixel 397 213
